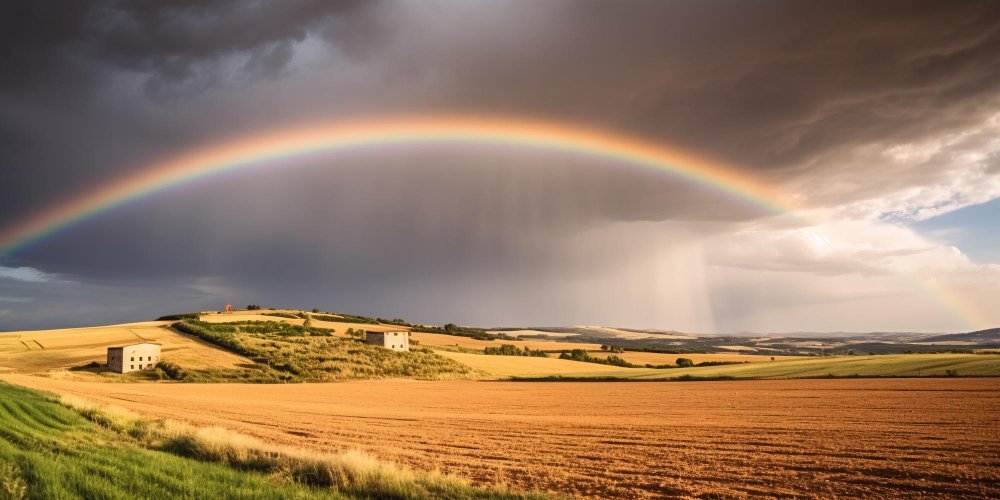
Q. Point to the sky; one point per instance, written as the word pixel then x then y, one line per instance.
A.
pixel 879 121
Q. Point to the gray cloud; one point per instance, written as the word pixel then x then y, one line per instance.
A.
pixel 800 95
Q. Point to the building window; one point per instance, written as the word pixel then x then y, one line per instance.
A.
pixel 133 358
pixel 131 367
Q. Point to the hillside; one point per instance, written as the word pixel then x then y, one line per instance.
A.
pixel 284 352
pixel 277 346
pixel 990 336
pixel 52 351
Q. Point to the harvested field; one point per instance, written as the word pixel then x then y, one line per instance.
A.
pixel 54 350
pixel 442 340
pixel 524 366
pixel 242 316
pixel 890 365
pixel 819 438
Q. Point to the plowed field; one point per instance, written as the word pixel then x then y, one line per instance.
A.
pixel 820 438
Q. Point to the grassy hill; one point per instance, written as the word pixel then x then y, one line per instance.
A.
pixel 284 352
pixel 49 451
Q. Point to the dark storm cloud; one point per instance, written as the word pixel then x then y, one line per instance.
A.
pixel 167 41
pixel 89 91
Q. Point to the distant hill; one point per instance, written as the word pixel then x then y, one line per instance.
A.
pixel 991 336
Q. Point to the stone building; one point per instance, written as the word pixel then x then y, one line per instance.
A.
pixel 396 341
pixel 133 357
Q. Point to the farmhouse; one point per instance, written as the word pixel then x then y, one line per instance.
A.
pixel 396 341
pixel 133 357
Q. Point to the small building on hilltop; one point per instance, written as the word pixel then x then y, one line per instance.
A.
pixel 396 341
pixel 133 357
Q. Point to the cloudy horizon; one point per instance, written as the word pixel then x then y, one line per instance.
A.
pixel 880 120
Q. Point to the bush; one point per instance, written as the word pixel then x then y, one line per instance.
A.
pixel 582 355
pixel 171 371
pixel 684 362
pixel 282 315
pixel 511 350
pixel 178 317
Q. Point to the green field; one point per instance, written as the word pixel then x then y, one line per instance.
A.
pixel 48 450
pixel 891 365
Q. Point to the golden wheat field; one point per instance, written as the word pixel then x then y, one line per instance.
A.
pixel 48 350
pixel 817 438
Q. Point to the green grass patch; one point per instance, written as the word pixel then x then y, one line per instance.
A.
pixel 48 450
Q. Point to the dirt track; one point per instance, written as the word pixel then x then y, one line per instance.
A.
pixel 802 437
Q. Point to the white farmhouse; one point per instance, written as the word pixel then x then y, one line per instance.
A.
pixel 133 357
pixel 396 341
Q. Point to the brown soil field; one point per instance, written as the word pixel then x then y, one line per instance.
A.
pixel 442 340
pixel 814 438
pixel 657 358
pixel 57 350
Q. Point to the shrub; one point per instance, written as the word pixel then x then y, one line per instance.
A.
pixel 684 362
pixel 582 355
pixel 282 315
pixel 12 484
pixel 178 317
pixel 511 350
pixel 171 371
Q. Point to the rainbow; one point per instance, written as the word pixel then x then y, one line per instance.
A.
pixel 400 131
pixel 353 135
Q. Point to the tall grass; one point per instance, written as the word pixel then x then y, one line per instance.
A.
pixel 50 451
pixel 353 473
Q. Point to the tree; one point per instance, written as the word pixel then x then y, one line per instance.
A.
pixel 684 362
pixel 604 347
pixel 315 310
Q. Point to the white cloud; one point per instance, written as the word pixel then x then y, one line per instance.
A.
pixel 849 267
pixel 896 181
pixel 27 274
